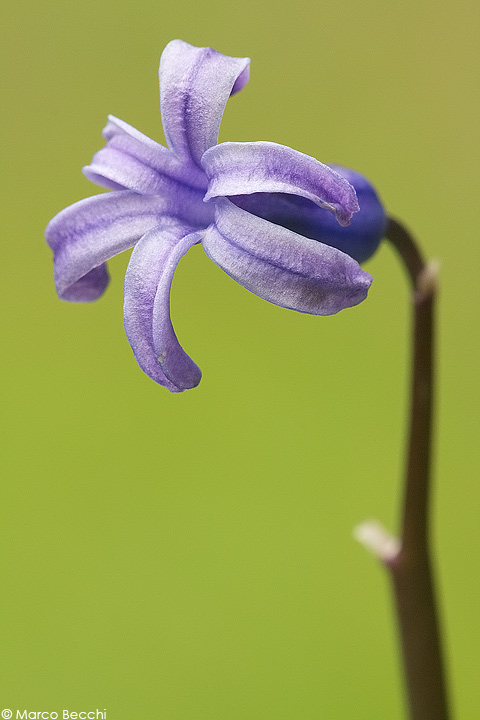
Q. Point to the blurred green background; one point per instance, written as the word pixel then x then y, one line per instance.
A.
pixel 190 557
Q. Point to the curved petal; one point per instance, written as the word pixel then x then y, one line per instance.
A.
pixel 360 239
pixel 281 266
pixel 133 161
pixel 147 307
pixel 195 84
pixel 265 167
pixel 86 234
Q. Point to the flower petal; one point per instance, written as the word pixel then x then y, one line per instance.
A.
pixel 86 234
pixel 147 307
pixel 265 167
pixel 360 239
pixel 195 84
pixel 281 266
pixel 133 161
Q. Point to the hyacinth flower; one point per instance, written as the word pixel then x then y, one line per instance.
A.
pixel 280 223
pixel 286 227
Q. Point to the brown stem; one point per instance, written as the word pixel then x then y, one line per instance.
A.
pixel 411 569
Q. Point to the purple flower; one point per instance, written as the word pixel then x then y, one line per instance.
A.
pixel 272 218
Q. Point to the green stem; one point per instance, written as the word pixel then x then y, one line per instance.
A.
pixel 411 568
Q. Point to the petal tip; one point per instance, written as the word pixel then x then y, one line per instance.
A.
pixel 184 376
